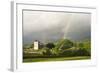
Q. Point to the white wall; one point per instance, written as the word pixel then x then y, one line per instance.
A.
pixel 5 36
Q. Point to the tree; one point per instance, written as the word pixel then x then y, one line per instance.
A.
pixel 80 45
pixel 50 45
pixel 55 51
pixel 67 44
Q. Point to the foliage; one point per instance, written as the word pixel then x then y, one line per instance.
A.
pixel 59 44
pixel 67 44
pixel 62 48
pixel 50 45
pixel 46 51
pixel 55 51
pixel 82 52
pixel 85 46
pixel 27 46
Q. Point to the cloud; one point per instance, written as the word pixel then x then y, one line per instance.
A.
pixel 54 25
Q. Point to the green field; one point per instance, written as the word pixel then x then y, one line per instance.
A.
pixel 55 59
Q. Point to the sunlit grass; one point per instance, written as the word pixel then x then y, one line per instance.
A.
pixel 28 60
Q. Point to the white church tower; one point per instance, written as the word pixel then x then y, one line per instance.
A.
pixel 36 45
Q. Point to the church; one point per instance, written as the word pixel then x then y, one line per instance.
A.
pixel 37 45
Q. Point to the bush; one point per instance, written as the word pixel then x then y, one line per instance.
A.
pixel 67 44
pixel 82 52
pixel 55 51
pixel 67 53
pixel 85 46
pixel 46 51
pixel 75 52
pixel 50 45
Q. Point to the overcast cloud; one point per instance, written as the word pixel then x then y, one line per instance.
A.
pixel 50 26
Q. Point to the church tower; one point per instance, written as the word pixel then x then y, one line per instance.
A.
pixel 36 45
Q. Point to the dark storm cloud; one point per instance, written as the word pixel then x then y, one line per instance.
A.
pixel 50 26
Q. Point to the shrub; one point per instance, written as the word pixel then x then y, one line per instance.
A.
pixel 67 53
pixel 67 44
pixel 50 45
pixel 75 52
pixel 82 52
pixel 46 51
pixel 55 51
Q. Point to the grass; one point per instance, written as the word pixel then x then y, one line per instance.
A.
pixel 29 60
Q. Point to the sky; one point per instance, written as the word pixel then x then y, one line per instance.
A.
pixel 52 26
